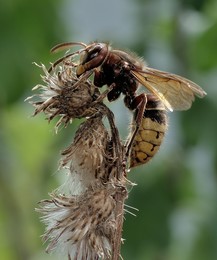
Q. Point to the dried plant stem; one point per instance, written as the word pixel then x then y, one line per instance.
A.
pixel 119 198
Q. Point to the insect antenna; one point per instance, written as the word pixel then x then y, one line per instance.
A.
pixel 65 45
pixel 58 62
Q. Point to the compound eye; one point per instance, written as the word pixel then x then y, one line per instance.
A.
pixel 92 53
pixel 92 57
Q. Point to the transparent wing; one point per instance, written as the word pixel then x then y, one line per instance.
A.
pixel 176 92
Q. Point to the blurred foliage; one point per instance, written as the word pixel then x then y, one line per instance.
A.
pixel 177 192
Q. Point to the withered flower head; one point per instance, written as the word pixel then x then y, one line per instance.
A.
pixel 85 222
pixel 59 96
pixel 88 155
pixel 80 226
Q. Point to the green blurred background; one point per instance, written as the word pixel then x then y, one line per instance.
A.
pixel 177 192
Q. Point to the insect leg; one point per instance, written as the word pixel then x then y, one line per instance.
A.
pixel 99 78
pixel 140 103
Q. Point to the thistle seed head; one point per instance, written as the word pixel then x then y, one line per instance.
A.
pixel 59 97
pixel 80 226
pixel 88 155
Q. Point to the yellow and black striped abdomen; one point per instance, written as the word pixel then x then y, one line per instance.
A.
pixel 150 134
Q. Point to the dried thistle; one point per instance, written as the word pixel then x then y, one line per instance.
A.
pixel 81 226
pixel 86 222
pixel 87 155
pixel 60 97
